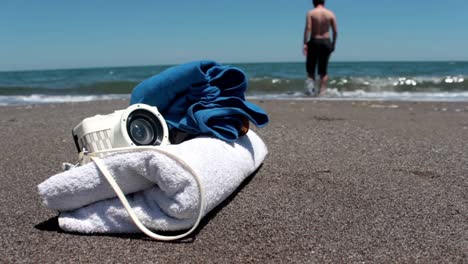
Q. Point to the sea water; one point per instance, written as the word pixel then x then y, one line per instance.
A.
pixel 411 81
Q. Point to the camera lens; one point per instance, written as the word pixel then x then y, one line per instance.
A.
pixel 144 128
pixel 141 132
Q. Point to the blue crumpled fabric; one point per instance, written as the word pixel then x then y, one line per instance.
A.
pixel 201 97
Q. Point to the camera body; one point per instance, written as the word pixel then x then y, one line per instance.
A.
pixel 138 125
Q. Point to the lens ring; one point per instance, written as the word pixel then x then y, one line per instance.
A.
pixel 144 128
pixel 141 131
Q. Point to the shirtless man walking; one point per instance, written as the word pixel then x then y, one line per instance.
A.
pixel 317 44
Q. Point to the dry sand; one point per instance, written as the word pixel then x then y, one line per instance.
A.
pixel 343 182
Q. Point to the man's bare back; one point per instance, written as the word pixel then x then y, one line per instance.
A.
pixel 321 20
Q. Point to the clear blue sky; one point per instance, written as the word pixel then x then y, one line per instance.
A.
pixel 49 34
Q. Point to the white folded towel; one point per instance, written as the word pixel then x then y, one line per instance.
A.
pixel 163 194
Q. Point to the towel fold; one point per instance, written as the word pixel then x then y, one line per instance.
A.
pixel 162 193
pixel 201 97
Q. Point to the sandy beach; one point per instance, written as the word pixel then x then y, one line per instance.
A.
pixel 343 182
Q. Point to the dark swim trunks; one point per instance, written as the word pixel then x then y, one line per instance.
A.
pixel 318 52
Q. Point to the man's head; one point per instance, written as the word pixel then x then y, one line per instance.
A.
pixel 319 2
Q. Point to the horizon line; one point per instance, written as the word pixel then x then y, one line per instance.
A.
pixel 228 63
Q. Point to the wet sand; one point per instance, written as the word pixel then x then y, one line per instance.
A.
pixel 343 182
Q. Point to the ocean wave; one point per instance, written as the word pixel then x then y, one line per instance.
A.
pixel 335 94
pixel 99 88
pixel 47 99
pixel 369 84
pixel 332 94
pixel 268 84
pixel 422 88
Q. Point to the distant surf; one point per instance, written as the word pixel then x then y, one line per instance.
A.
pixel 409 81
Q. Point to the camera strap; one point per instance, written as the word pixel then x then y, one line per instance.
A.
pixel 103 168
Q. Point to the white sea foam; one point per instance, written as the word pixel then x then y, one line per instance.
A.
pixel 47 99
pixel 334 94
pixel 389 83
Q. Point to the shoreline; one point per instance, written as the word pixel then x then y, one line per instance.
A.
pixel 344 181
pixel 267 99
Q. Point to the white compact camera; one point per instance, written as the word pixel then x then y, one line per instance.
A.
pixel 138 125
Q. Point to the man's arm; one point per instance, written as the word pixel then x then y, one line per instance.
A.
pixel 307 32
pixel 334 30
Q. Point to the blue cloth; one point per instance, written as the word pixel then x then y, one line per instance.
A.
pixel 201 97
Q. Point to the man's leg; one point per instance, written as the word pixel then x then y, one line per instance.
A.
pixel 323 68
pixel 309 87
pixel 311 63
pixel 323 84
